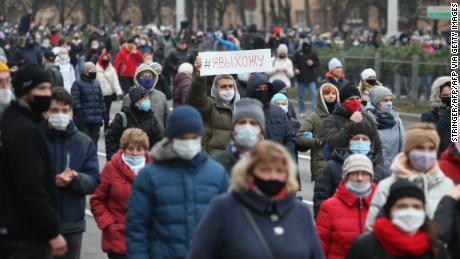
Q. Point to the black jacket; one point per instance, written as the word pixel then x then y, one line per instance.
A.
pixel 226 159
pixel 28 196
pixel 307 73
pixel 339 84
pixel 55 74
pixel 447 220
pixel 164 87
pixel 135 119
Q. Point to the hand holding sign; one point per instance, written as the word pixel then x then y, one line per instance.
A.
pixel 198 65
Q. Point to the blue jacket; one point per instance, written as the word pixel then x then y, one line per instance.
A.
pixel 89 105
pixel 73 149
pixel 226 233
pixel 32 54
pixel 168 200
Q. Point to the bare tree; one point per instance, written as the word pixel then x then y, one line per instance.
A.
pixel 285 12
pixel 116 8
pixel 264 15
pixel 275 18
pixel 307 12
pixel 241 12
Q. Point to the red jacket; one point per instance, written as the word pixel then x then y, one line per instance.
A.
pixel 126 62
pixel 109 203
pixel 340 220
pixel 450 163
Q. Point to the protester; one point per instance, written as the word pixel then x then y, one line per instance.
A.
pixel 418 165
pixel 92 54
pixel 248 127
pixel 126 62
pixel 367 82
pixel 166 205
pixel 89 107
pixel 282 101
pixel 440 110
pixel 109 203
pixel 53 69
pixel 75 164
pixel 389 125
pixel 30 52
pixel 242 83
pixel 305 62
pixel 335 74
pixel 217 109
pixel 282 66
pixel 341 217
pixel 162 85
pixel 182 84
pixel 447 220
pixel 177 57
pixel 261 216
pixel 29 222
pixel 66 69
pixel 110 86
pixel 310 136
pixel 403 230
pixel 139 114
pixel 6 93
pixel 449 162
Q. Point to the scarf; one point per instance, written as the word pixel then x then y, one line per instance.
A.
pixel 330 106
pixel 385 120
pixel 396 242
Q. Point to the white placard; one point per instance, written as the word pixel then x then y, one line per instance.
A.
pixel 235 62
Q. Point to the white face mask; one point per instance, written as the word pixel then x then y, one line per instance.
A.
pixel 247 135
pixel 409 220
pixel 187 148
pixel 5 96
pixel 227 95
pixel 59 121
pixel 63 58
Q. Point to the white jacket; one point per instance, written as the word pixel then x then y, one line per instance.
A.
pixel 108 79
pixel 68 75
pixel 284 76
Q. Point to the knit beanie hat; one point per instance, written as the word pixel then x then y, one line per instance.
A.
pixel 368 72
pixel 333 63
pixel 419 133
pixel 357 162
pixel 4 67
pixel 278 85
pixel 157 67
pixel 244 77
pixel 185 68
pixel 49 55
pixel 29 77
pixel 87 66
pixel 363 127
pixel 137 93
pixel 182 120
pixel 348 91
pixel 402 189
pixel 378 93
pixel 249 108
pixel 280 96
pixel 282 49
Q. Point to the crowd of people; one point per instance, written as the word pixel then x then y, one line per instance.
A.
pixel 207 167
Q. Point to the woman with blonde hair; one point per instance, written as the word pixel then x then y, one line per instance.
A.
pixel 260 217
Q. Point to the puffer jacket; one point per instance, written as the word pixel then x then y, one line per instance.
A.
pixel 108 78
pixel 169 198
pixel 340 220
pixel 447 220
pixel 216 114
pixel 158 100
pixel 450 163
pixel 330 177
pixel 439 114
pixel 88 102
pixel 434 184
pixel 109 203
pixel 314 124
pixel 135 118
pixel 182 84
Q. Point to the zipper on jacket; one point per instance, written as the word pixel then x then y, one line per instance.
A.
pixel 360 206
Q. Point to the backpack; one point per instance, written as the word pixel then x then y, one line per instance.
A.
pixel 124 119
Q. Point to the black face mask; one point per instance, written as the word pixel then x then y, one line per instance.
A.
pixel 92 75
pixel 446 100
pixel 270 187
pixel 105 62
pixel 263 96
pixel 40 104
pixel 371 81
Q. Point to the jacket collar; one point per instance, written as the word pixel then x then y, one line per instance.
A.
pixel 122 168
pixel 54 134
pixel 351 200
pixel 24 108
pixel 263 204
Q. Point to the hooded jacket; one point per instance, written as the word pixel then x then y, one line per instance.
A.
pixel 439 114
pixel 434 184
pixel 182 84
pixel 315 124
pixel 279 63
pixel 449 163
pixel 108 78
pixel 216 113
pixel 169 198
pixel 157 99
pixel 109 203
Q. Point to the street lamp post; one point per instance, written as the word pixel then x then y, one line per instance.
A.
pixel 180 13
pixel 392 18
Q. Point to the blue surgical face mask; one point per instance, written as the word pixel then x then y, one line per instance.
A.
pixel 146 82
pixel 358 189
pixel 284 107
pixel 387 107
pixel 360 147
pixel 133 160
pixel 145 105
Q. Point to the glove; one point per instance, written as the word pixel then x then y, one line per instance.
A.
pixel 308 134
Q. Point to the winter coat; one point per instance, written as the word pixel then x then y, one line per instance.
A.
pixel 182 85
pixel 169 198
pixel 447 220
pixel 88 102
pixel 68 75
pixel 126 62
pixel 392 138
pixel 439 114
pixel 176 58
pixel 365 88
pixel 31 54
pixel 226 158
pixel 314 124
pixel 241 87
pixel 108 79
pixel 28 198
pixel 337 127
pixel 164 87
pixel 279 63
pixel 329 79
pixel 331 176
pixel 307 73
pixel 73 149
pixel 340 220
pixel 55 75
pixel 434 184
pixel 449 163
pixel 225 232
pixel 135 118
pixel 216 114
pixel 109 203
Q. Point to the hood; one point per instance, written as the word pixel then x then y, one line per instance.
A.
pixel 214 90
pixel 182 79
pixel 351 200
pixel 322 108
pixel 144 67
pixel 257 79
pixel 99 60
pixel 435 91
pixel 122 168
